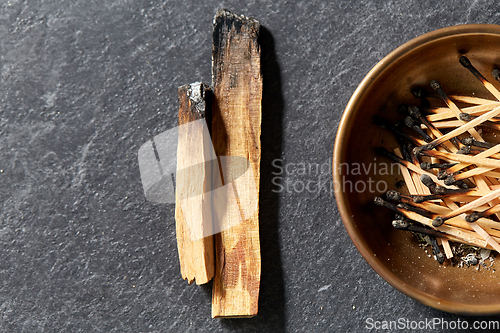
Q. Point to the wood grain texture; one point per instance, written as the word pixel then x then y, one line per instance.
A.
pixel 193 218
pixel 236 129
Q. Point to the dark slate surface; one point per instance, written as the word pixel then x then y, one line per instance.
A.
pixel 84 84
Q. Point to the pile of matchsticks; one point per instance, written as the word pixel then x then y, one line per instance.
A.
pixel 451 173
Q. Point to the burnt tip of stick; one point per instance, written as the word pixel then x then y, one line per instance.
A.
pixel 427 180
pixel 468 141
pixel 393 195
pixel 440 189
pixel 464 116
pixel 409 122
pixel 418 150
pixel 464 61
pixel 414 111
pixel 425 165
pixel 404 205
pixel 418 199
pixel 442 174
pixel 400 224
pixel 465 150
pixel 440 257
pixel 435 85
pixel 450 180
pixel 472 217
pixel 437 222
pixel 496 74
pixel 378 201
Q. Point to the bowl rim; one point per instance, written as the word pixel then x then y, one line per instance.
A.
pixel 339 152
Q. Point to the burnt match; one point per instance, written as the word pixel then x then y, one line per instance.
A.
pixel 469 210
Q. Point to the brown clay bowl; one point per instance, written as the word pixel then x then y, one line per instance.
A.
pixel 395 254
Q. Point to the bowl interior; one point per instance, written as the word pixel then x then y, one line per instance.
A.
pixel 359 174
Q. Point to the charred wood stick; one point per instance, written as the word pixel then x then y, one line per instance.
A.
pixel 236 129
pixel 192 219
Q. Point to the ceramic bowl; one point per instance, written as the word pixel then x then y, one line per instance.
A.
pixel 359 174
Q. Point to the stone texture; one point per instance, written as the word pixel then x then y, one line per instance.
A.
pixel 84 84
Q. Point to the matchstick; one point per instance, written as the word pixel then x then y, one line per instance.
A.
pixel 410 123
pixel 445 113
pixel 474 216
pixel 384 123
pixel 478 161
pixel 456 132
pixel 464 61
pixel 453 107
pixel 465 208
pixel 237 85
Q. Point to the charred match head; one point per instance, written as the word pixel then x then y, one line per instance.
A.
pixel 464 116
pixel 472 217
pixel 465 150
pixel 427 181
pixel 437 222
pixel 442 174
pixel 414 112
pixel 468 141
pixel 425 165
pixel 400 224
pixel 435 85
pixel 450 180
pixel 393 195
pixel 496 74
pixel 464 61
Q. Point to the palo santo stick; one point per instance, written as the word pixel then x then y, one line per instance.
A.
pixel 462 129
pixel 236 131
pixel 196 252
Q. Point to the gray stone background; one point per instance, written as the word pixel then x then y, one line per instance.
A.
pixel 85 83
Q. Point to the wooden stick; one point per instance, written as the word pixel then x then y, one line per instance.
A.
pixel 467 126
pixel 445 113
pixel 474 216
pixel 487 153
pixel 194 149
pixel 457 123
pixel 480 231
pixel 465 208
pixel 236 131
pixel 471 100
pixel 478 161
pixel 464 61
pixel 454 108
pixel 447 248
